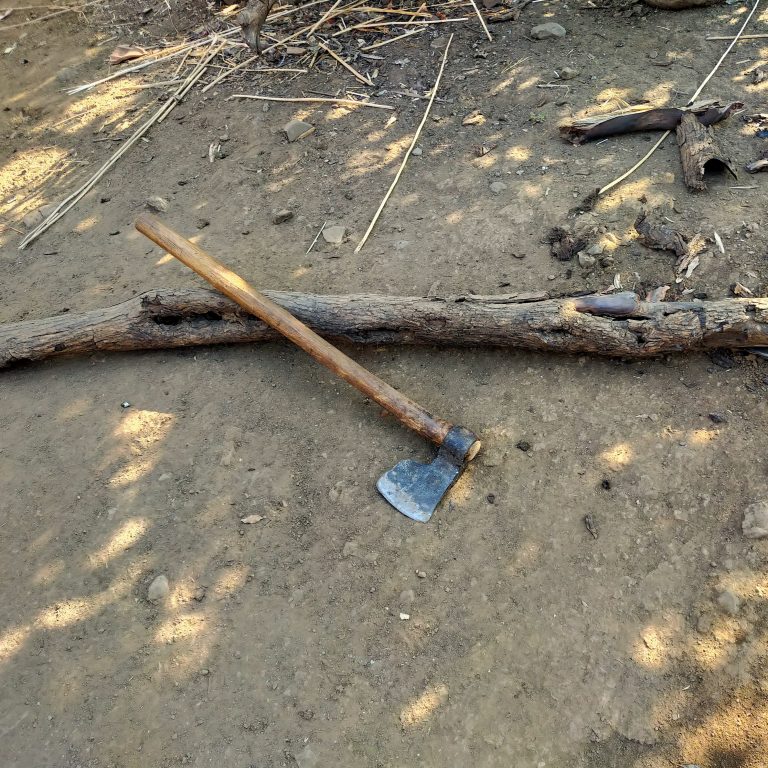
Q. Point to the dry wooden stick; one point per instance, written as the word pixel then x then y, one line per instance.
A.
pixel 410 149
pixel 362 78
pixel 738 37
pixel 71 200
pixel 323 18
pixel 311 100
pixel 382 43
pixel 482 20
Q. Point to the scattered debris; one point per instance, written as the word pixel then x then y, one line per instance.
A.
pixel 662 237
pixel 158 589
pixel 281 216
pixel 474 118
pixel 758 165
pixel 590 525
pixel 297 129
pixel 757 75
pixel 585 260
pixel 252 519
pixel 755 522
pixel 335 234
pixel 157 203
pixel 547 31
pixel 718 241
pixel 737 289
pixel 405 616
pixel 568 73
pixel 311 100
pixel 563 245
pixel 126 53
pixel 657 294
pixel 523 445
pixel 718 418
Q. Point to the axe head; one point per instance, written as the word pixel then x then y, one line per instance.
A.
pixel 416 489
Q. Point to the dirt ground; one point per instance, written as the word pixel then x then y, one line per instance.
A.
pixel 529 642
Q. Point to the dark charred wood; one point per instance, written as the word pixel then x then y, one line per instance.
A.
pixel 619 325
pixel 662 119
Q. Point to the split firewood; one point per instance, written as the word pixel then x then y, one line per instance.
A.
pixel 639 119
pixel 614 325
pixel 758 165
pixel 700 152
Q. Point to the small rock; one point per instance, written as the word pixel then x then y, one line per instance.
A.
pixel 417 151
pixel 282 216
pixel 158 589
pixel 607 261
pixel 497 187
pixel 755 523
pixel 585 260
pixel 349 549
pixel 297 129
pixel 753 227
pixel 199 595
pixel 568 73
pixel 405 616
pixel 335 234
pixel 595 250
pixel 729 602
pixel 157 203
pixel 202 223
pixel 523 445
pixel 32 219
pixel 718 418
pixel 407 596
pixel 421 574
pixel 104 199
pixel 125 404
pixel 547 31
pixel 205 672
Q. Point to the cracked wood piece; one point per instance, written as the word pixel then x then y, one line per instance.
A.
pixel 618 325
pixel 699 152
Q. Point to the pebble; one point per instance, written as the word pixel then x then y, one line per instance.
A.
pixel 417 151
pixel 297 129
pixel 202 223
pixel 568 73
pixel 158 589
pixel 547 31
pixel 335 234
pixel 497 187
pixel 349 549
pixel 729 602
pixel 421 574
pixel 718 418
pixel 282 216
pixel 755 523
pixel 523 445
pixel 157 203
pixel 607 261
pixel 407 596
pixel 405 616
pixel 585 260
pixel 595 249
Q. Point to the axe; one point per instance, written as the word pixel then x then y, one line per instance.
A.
pixel 412 488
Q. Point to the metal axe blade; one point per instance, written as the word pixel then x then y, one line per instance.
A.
pixel 416 489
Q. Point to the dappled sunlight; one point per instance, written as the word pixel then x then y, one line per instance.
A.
pixel 630 190
pixel 182 626
pixel 129 533
pixel 30 169
pixel 12 640
pixel 652 647
pixel 367 160
pixel 85 224
pixel 518 152
pixel 418 711
pixel 139 432
pixel 617 457
pixel 454 217
pixel 703 436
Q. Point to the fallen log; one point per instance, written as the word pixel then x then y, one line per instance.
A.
pixel 617 325
pixel 638 119
pixel 700 152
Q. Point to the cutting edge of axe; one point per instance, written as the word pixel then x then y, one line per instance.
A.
pixel 414 489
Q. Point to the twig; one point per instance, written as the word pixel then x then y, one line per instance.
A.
pixel 737 37
pixel 71 200
pixel 311 100
pixel 482 20
pixel 408 152
pixel 392 40
pixel 362 78
pixel 323 18
pixel 317 237
pixel 693 98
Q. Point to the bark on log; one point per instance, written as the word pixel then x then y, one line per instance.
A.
pixel 617 325
pixel 657 119
pixel 699 152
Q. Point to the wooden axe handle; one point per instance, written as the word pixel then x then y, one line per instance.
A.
pixel 406 410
